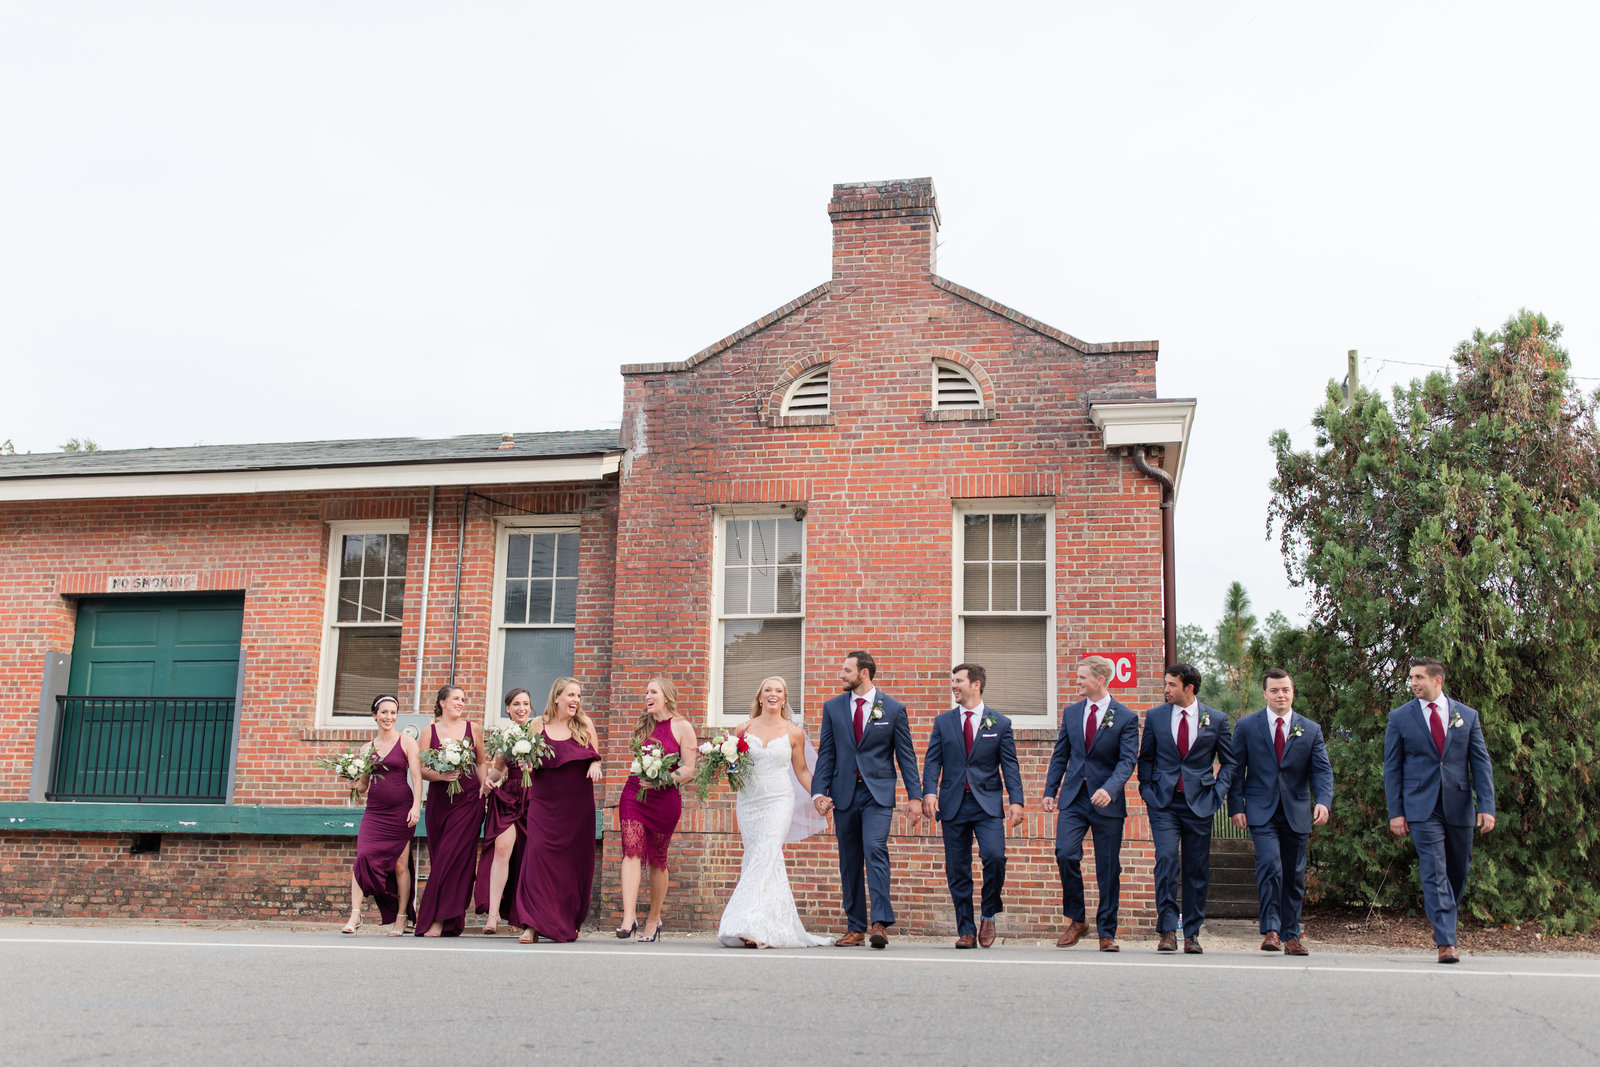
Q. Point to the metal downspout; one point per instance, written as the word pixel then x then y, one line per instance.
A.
pixel 455 611
pixel 422 615
pixel 1169 578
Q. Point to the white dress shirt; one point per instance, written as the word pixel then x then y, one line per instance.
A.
pixel 1100 707
pixel 1193 711
pixel 1287 718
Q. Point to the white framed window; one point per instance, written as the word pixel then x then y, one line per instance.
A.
pixel 535 609
pixel 808 394
pixel 1004 598
pixel 759 593
pixel 364 613
pixel 954 387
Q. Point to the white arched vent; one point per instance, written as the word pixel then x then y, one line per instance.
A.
pixel 809 393
pixel 954 387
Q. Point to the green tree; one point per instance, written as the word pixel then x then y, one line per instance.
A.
pixel 1461 522
pixel 80 444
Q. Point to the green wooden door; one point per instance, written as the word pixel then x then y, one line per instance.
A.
pixel 149 715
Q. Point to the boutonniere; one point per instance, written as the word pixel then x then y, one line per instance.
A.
pixel 1456 720
pixel 1106 719
pixel 988 721
pixel 877 709
pixel 1297 731
pixel 1205 718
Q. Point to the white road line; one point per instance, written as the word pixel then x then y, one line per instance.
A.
pixel 1464 970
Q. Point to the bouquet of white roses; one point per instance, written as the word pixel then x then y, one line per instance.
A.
pixel 653 766
pixel 352 765
pixel 453 755
pixel 519 743
pixel 725 754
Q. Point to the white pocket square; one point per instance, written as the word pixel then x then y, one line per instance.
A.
pixel 988 735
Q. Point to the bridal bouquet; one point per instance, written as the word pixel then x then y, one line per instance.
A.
pixel 453 755
pixel 520 744
pixel 723 755
pixel 653 766
pixel 352 765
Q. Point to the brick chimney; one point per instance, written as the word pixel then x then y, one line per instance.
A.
pixel 884 228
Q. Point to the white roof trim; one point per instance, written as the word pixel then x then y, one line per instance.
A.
pixel 1161 422
pixel 390 476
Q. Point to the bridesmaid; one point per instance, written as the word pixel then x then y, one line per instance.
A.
pixel 383 843
pixel 647 824
pixel 453 823
pixel 552 896
pixel 504 836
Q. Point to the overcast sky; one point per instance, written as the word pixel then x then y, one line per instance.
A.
pixel 282 221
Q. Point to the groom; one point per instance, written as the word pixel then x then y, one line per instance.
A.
pixel 864 734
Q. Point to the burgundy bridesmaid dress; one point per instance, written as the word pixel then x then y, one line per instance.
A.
pixel 454 824
pixel 508 806
pixel 552 895
pixel 647 824
pixel 383 835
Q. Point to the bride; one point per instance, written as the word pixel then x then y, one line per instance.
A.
pixel 761 912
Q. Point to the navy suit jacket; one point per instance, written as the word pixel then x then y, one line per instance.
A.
pixel 1203 789
pixel 885 741
pixel 948 768
pixel 1261 783
pixel 1108 763
pixel 1415 776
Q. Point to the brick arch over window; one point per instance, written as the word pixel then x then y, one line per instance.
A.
pixel 792 373
pixel 980 378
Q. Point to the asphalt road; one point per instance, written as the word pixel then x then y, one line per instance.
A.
pixel 141 995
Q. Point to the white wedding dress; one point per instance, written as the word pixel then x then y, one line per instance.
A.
pixel 762 906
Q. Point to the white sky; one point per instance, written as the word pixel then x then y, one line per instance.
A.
pixel 282 221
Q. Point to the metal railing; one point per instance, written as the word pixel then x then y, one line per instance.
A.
pixel 147 749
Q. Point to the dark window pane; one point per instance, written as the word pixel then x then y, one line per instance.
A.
pixel 791 541
pixel 544 556
pixel 1033 537
pixel 372 600
pixel 1003 588
pixel 567 555
pixel 372 563
pixel 975 537
pixel 394 598
pixel 517 548
pixel 1005 537
pixel 397 555
pixel 367 663
pixel 763 542
pixel 349 599
pixel 516 601
pixel 975 587
pixel 566 606
pixel 350 557
pixel 533 660
pixel 789 588
pixel 1033 587
pixel 538 601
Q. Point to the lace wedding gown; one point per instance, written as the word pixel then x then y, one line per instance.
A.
pixel 762 907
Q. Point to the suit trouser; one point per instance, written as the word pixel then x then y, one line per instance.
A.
pixel 1181 836
pixel 862 831
pixel 969 821
pixel 1444 853
pixel 1280 874
pixel 1074 820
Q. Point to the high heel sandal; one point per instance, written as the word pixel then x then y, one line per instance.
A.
pixel 351 928
pixel 530 936
pixel 623 935
pixel 652 937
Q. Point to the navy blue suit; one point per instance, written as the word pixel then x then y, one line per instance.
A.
pixel 1180 820
pixel 1276 799
pixel 971 805
pixel 860 779
pixel 1077 774
pixel 1435 794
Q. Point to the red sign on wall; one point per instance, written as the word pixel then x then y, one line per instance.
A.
pixel 1125 669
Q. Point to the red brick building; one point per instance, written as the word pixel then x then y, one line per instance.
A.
pixel 889 461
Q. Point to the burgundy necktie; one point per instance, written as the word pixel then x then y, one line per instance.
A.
pixel 1090 725
pixel 1278 742
pixel 860 721
pixel 1183 742
pixel 1438 727
pixel 967 729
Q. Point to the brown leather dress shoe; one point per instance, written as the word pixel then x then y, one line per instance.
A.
pixel 1168 942
pixel 1071 934
pixel 877 936
pixel 1447 954
pixel 1293 947
pixel 851 939
pixel 1270 943
pixel 1108 945
pixel 986 932
pixel 966 941
pixel 1191 946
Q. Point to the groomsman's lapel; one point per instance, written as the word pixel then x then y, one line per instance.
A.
pixel 1422 718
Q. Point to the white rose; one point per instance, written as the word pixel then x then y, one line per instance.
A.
pixel 705 749
pixel 522 748
pixel 730 748
pixel 634 767
pixel 452 757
